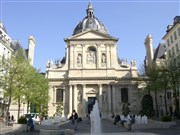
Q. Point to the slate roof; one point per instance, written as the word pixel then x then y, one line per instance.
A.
pixel 160 51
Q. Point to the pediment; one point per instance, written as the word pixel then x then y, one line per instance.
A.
pixel 91 92
pixel 91 34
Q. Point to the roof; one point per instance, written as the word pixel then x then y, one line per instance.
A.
pixel 170 27
pixel 90 22
pixel 15 45
pixel 160 51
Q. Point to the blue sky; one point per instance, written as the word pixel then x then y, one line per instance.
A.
pixel 50 21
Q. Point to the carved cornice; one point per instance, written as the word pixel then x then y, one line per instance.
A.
pixel 96 78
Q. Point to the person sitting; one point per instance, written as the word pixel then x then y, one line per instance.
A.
pixel 117 119
pixel 30 123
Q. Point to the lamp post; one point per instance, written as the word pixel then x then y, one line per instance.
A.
pixel 161 105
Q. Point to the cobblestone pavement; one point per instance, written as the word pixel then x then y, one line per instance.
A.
pixel 107 129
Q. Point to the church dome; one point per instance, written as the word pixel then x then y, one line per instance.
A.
pixel 90 22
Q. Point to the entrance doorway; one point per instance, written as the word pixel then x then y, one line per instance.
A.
pixel 91 102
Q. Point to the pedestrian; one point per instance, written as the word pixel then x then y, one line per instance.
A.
pixel 12 118
pixel 74 119
pixel 30 124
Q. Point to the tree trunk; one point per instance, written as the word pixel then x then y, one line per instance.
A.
pixel 19 107
pixel 165 100
pixel 28 106
pixel 157 110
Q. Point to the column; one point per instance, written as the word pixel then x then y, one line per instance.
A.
pixel 64 100
pixel 114 98
pixel 84 100
pixel 98 58
pixel 70 99
pixel 71 56
pixel 83 56
pixel 75 58
pixel 54 94
pixel 100 97
pixel 108 59
pixel 75 98
pixel 109 98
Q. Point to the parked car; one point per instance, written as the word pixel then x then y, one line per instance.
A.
pixel 35 117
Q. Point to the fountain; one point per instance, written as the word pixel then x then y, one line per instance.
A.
pixel 95 120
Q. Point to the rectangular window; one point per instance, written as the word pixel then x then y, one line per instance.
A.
pixel 171 39
pixel 168 95
pixel 59 95
pixel 175 35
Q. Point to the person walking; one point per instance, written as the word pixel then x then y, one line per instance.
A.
pixel 74 119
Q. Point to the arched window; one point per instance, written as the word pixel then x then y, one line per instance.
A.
pixel 124 95
pixel 91 55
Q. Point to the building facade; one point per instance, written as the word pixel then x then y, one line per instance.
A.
pixel 8 48
pixel 92 71
pixel 167 52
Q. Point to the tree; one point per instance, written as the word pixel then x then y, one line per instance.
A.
pixel 154 84
pixel 125 109
pixel 59 108
pixel 174 82
pixel 147 105
pixel 22 80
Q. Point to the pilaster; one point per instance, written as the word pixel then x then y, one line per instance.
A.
pixel 100 97
pixel 75 98
pixel 84 99
pixel 114 97
pixel 109 98
pixel 70 99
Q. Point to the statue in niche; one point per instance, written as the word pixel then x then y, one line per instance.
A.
pixel 79 59
pixel 103 58
pixel 104 98
pixel 80 97
pixel 91 57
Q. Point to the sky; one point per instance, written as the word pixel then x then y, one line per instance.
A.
pixel 51 21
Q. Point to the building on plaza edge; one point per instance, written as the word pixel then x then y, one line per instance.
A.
pixel 8 48
pixel 91 70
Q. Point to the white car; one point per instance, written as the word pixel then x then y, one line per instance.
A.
pixel 35 117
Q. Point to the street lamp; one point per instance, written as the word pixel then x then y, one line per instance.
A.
pixel 161 105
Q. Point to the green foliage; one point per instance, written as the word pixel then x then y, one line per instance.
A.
pixel 166 118
pixel 59 108
pixel 147 105
pixel 22 82
pixel 125 109
pixel 22 120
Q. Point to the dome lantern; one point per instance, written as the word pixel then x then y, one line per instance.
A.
pixel 90 22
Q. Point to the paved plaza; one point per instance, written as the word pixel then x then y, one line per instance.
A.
pixel 84 129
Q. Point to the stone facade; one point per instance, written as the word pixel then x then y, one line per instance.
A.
pixel 91 71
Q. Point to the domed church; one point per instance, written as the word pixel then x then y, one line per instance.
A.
pixel 91 70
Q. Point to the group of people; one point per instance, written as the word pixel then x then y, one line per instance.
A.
pixel 10 120
pixel 130 120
